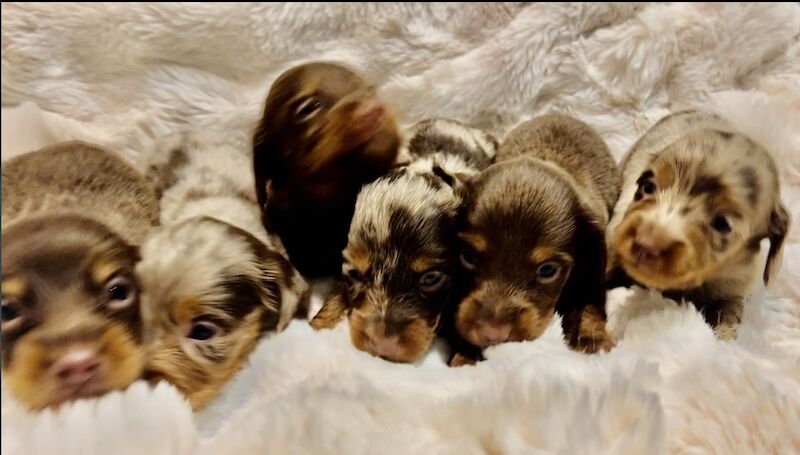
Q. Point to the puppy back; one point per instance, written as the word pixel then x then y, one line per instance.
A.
pixel 77 177
pixel 572 145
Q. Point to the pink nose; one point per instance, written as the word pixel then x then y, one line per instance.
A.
pixel 491 333
pixel 387 347
pixel 77 366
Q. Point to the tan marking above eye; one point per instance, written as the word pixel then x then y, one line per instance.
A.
pixel 14 286
pixel 476 241
pixel 663 175
pixel 102 269
pixel 542 254
pixel 358 257
pixel 184 310
pixel 422 264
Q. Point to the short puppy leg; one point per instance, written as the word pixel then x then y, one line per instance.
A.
pixel 724 316
pixel 592 334
pixel 332 311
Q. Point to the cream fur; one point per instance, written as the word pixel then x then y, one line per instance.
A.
pixel 124 75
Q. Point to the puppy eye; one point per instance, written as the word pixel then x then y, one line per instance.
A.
pixel 11 314
pixel 547 272
pixel 432 281
pixel 308 109
pixel 469 259
pixel 203 331
pixel 720 224
pixel 648 187
pixel 120 293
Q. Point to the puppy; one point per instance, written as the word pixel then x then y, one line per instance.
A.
pixel 323 135
pixel 400 269
pixel 73 216
pixel 697 200
pixel 215 281
pixel 533 236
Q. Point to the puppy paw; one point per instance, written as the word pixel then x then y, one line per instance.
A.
pixel 594 343
pixel 459 360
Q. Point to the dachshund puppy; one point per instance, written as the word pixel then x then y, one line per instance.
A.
pixel 401 262
pixel 216 282
pixel 73 215
pixel 533 236
pixel 323 135
pixel 697 200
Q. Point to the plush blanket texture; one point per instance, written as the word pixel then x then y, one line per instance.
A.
pixel 125 75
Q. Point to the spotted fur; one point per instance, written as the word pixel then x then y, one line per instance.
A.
pixel 698 197
pixel 400 237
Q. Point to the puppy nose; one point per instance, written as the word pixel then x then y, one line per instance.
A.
pixel 387 347
pixel 369 111
pixel 493 333
pixel 652 243
pixel 77 366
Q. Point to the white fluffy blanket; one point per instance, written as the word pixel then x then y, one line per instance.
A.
pixel 125 75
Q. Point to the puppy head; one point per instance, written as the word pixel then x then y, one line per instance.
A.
pixel 398 265
pixel 213 290
pixel 703 203
pixel 525 234
pixel 323 129
pixel 70 313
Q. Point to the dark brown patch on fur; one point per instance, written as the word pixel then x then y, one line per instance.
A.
pixel 706 184
pixel 750 181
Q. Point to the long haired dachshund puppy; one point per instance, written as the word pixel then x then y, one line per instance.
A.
pixel 697 200
pixel 215 281
pixel 533 236
pixel 73 216
pixel 401 262
pixel 323 135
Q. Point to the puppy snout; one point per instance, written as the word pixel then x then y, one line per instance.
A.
pixel 385 346
pixel 653 243
pixel 492 333
pixel 77 366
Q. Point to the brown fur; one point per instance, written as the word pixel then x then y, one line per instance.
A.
pixel 73 215
pixel 309 164
pixel 688 172
pixel 48 279
pixel 545 202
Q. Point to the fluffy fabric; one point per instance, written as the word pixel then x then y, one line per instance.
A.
pixel 124 75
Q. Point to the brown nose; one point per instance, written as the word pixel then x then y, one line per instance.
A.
pixel 386 347
pixel 652 243
pixel 492 333
pixel 76 367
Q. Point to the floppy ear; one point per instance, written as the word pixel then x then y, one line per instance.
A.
pixel 460 182
pixel 778 228
pixel 585 288
pixel 334 308
pixel 266 161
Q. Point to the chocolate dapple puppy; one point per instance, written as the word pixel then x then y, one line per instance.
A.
pixel 400 271
pixel 73 217
pixel 323 135
pixel 216 282
pixel 533 236
pixel 697 200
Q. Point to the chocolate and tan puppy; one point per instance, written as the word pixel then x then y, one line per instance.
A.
pixel 697 200
pixel 400 271
pixel 73 217
pixel 323 135
pixel 533 235
pixel 216 282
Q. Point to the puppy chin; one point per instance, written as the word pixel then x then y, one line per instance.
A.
pixel 411 343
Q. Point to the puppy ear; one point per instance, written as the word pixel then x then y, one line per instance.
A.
pixel 266 160
pixel 333 310
pixel 460 182
pixel 778 228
